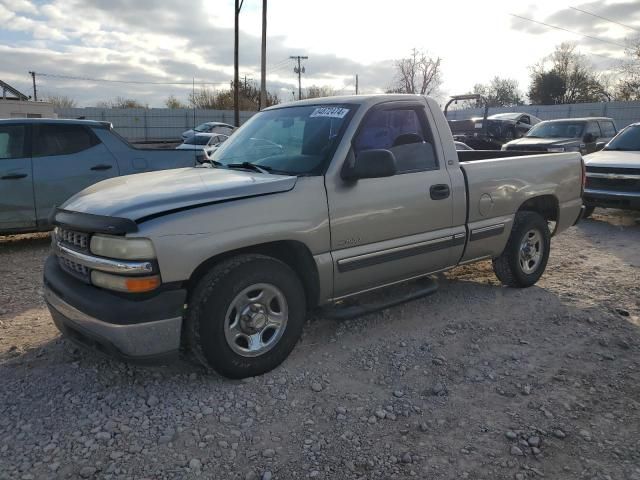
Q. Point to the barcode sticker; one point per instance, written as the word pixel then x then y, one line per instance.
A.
pixel 329 112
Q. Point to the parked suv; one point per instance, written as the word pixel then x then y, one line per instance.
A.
pixel 43 162
pixel 584 135
pixel 613 174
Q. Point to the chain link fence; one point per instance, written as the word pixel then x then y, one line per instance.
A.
pixel 152 124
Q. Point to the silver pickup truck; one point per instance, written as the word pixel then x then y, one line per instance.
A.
pixel 306 204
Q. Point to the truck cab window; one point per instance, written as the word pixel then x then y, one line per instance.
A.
pixel 52 140
pixel 594 129
pixel 11 141
pixel 608 129
pixel 400 131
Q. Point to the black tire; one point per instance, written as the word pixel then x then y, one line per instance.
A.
pixel 212 298
pixel 507 266
pixel 588 211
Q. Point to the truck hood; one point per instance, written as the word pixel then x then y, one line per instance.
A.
pixel 144 194
pixel 613 158
pixel 560 142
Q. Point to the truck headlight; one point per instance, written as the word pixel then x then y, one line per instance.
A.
pixel 125 284
pixel 555 149
pixel 122 248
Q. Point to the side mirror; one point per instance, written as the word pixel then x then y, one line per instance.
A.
pixel 589 138
pixel 376 163
pixel 600 146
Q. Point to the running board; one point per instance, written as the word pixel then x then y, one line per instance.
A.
pixel 398 294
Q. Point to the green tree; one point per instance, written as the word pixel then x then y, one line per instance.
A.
pixel 565 76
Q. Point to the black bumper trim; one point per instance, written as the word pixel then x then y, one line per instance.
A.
pixel 103 346
pixel 109 307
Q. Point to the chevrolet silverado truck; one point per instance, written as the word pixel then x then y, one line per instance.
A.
pixel 43 162
pixel 307 204
pixel 613 174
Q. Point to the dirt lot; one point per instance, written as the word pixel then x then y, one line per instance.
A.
pixel 477 381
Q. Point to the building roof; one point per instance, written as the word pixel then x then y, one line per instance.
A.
pixel 17 95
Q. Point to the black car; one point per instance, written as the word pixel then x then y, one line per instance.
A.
pixel 584 135
pixel 499 128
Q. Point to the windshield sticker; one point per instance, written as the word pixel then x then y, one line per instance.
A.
pixel 329 112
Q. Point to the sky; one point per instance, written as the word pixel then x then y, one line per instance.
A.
pixel 172 41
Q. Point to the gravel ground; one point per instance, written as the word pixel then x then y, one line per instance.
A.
pixel 477 381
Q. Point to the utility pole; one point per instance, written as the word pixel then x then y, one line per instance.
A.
pixel 299 70
pixel 236 79
pixel 35 92
pixel 263 64
pixel 356 84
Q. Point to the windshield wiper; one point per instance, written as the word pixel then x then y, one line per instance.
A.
pixel 251 166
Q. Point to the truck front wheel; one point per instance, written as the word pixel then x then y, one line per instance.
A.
pixel 525 257
pixel 246 315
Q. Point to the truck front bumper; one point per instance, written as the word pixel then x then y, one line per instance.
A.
pixel 611 199
pixel 143 330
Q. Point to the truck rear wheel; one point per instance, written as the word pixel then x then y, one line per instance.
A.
pixel 246 315
pixel 525 257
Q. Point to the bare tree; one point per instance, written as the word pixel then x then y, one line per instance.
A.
pixel 249 98
pixel 417 73
pixel 173 103
pixel 120 102
pixel 61 101
pixel 628 87
pixel 315 91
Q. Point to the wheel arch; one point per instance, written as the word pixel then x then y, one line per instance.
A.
pixel 546 205
pixel 293 253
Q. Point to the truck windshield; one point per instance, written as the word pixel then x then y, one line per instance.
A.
pixel 292 140
pixel 556 130
pixel 627 140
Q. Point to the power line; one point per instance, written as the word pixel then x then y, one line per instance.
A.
pixel 134 82
pixel 604 18
pixel 569 31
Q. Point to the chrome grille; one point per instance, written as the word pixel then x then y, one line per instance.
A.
pixel 80 240
pixel 75 269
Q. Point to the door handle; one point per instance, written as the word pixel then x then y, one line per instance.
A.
pixel 439 191
pixel 13 176
pixel 101 167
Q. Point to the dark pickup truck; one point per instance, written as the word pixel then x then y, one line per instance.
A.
pixel 492 133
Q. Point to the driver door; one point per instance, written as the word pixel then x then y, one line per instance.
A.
pixel 389 229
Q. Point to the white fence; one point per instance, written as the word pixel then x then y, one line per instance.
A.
pixel 152 124
pixel 163 124
pixel 623 113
